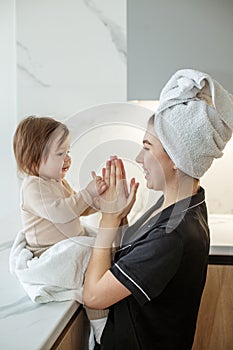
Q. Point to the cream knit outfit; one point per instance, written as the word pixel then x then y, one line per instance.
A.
pixel 50 212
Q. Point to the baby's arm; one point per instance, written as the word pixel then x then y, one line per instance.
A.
pixel 46 199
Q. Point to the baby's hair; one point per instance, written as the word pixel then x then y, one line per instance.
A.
pixel 32 140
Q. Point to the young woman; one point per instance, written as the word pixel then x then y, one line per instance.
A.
pixel 155 285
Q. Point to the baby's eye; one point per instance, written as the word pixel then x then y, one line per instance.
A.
pixel 145 148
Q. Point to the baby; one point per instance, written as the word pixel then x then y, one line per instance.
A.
pixel 50 208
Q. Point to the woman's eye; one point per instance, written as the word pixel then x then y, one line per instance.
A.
pixel 60 154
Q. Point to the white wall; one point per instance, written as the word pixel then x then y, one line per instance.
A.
pixel 9 216
pixel 71 55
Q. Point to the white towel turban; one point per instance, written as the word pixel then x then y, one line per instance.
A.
pixel 194 120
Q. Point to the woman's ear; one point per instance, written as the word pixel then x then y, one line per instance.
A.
pixel 174 167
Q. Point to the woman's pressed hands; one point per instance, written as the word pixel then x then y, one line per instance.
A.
pixel 101 288
pixel 117 201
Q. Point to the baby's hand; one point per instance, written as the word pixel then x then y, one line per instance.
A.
pixel 97 186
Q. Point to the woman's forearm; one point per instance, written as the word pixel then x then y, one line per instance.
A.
pixel 99 264
pixel 101 287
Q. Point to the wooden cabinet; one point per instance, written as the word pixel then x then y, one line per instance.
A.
pixel 75 336
pixel 215 320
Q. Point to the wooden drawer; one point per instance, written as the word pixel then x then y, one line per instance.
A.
pixel 75 336
pixel 215 320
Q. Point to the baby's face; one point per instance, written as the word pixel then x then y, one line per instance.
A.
pixel 58 161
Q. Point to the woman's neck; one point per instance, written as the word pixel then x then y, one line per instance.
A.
pixel 185 187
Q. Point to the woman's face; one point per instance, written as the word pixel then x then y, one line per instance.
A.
pixel 157 165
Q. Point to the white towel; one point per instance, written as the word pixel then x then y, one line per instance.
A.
pixel 194 120
pixel 58 274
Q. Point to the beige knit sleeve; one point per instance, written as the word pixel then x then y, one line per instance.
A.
pixel 47 200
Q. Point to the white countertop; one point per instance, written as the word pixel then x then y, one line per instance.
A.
pixel 24 325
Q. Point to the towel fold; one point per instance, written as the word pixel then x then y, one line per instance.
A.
pixel 194 120
pixel 57 275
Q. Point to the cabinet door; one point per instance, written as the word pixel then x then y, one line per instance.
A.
pixel 215 320
pixel 76 334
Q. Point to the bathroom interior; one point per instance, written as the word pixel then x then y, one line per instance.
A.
pixel 99 66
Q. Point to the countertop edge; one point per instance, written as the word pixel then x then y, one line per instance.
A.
pixel 60 326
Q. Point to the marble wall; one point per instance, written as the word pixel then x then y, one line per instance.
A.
pixel 8 190
pixel 71 55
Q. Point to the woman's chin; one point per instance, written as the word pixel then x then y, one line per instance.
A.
pixel 152 186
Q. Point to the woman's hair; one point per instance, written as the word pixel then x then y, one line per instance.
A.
pixel 151 120
pixel 32 140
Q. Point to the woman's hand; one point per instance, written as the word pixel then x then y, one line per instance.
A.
pixel 117 201
pixel 101 288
